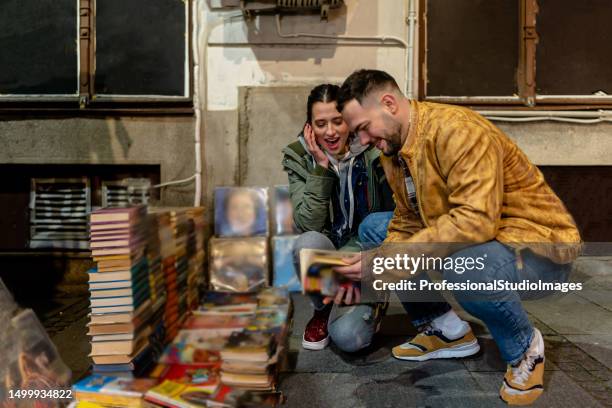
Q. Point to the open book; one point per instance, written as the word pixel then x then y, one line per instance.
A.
pixel 316 271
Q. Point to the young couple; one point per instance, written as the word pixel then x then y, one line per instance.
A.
pixel 455 179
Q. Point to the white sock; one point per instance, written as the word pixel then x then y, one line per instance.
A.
pixel 451 325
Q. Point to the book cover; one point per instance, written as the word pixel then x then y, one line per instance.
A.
pixel 203 352
pixel 253 346
pixel 113 390
pixel 120 347
pixel 284 272
pixel 188 374
pixel 241 211
pixel 220 321
pixel 316 271
pixel 238 265
pixel 283 212
pixel 174 394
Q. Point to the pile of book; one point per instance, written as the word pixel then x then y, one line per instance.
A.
pixel 167 253
pixel 229 345
pixel 157 281
pixel 196 255
pixel 180 234
pixel 122 318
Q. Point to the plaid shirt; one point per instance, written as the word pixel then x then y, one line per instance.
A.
pixel 410 187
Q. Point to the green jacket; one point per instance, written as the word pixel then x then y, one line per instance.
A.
pixel 311 187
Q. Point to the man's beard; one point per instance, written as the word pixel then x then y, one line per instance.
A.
pixel 393 138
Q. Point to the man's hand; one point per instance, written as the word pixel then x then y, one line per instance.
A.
pixel 353 268
pixel 313 147
pixel 348 293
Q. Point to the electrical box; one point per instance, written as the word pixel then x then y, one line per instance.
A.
pixel 251 7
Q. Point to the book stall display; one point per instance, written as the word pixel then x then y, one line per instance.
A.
pixel 163 329
pixel 157 337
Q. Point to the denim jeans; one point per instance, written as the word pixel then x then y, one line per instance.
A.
pixel 351 328
pixel 372 232
pixel 500 310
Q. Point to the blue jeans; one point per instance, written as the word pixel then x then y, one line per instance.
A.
pixel 372 232
pixel 500 310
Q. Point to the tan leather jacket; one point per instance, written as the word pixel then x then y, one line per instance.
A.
pixel 474 185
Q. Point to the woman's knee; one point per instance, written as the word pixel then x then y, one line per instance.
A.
pixel 312 240
pixel 351 333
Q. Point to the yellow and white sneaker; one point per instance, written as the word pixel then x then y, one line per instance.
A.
pixel 524 383
pixel 431 343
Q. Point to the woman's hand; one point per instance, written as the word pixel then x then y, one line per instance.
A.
pixel 313 147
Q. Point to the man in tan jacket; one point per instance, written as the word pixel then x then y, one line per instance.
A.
pixel 464 190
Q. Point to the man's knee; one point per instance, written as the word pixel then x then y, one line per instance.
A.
pixel 480 266
pixel 373 228
pixel 352 332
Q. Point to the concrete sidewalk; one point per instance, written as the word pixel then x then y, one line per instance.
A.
pixel 577 329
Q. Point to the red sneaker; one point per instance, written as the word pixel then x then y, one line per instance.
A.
pixel 315 334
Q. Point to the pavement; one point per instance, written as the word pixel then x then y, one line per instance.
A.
pixel 577 330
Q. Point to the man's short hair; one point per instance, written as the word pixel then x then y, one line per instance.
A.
pixel 361 83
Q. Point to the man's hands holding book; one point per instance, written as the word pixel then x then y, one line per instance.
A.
pixel 349 292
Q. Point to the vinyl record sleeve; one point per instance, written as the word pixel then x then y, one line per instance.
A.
pixel 238 264
pixel 241 211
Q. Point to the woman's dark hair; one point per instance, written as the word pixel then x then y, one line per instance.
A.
pixel 322 93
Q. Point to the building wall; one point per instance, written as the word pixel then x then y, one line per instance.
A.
pixel 253 87
pixel 166 141
pixel 255 83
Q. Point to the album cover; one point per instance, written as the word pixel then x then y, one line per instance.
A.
pixel 284 272
pixel 241 211
pixel 238 264
pixel 283 212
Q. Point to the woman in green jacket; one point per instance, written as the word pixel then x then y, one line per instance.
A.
pixel 339 193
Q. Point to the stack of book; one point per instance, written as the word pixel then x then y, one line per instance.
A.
pixel 226 351
pixel 250 357
pixel 121 309
pixel 154 260
pixel 167 251
pixel 196 255
pixel 180 233
pixel 179 221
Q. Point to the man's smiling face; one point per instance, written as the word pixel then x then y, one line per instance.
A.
pixel 374 123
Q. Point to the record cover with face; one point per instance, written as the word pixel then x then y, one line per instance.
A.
pixel 238 264
pixel 284 272
pixel 283 212
pixel 241 211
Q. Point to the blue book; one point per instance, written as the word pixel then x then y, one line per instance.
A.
pixel 284 271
